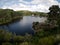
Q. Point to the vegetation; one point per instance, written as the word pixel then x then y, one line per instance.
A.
pixel 26 13
pixel 8 15
pixel 47 33
pixel 51 27
pixel 53 20
pixel 40 38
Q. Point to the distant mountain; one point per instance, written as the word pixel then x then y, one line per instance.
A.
pixel 26 12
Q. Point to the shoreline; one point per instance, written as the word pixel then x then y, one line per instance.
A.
pixel 12 20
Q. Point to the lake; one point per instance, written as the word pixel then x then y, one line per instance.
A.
pixel 24 25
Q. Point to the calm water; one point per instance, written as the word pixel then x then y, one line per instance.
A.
pixel 24 25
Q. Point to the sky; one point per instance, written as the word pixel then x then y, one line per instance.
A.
pixel 31 5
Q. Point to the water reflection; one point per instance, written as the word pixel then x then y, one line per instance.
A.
pixel 23 26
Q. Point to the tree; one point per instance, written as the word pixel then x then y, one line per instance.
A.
pixel 54 17
pixel 54 13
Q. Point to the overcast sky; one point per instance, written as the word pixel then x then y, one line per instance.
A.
pixel 32 5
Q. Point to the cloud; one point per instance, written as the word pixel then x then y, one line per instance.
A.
pixel 32 5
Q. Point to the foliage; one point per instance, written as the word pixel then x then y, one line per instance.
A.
pixel 47 33
pixel 25 12
pixel 7 15
pixel 50 36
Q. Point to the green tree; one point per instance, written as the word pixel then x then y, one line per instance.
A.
pixel 54 13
